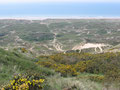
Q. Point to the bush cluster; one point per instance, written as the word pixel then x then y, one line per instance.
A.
pixel 25 83
pixel 107 64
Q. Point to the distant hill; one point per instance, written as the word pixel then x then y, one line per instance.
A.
pixel 58 35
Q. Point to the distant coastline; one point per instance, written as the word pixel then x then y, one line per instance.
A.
pixel 58 17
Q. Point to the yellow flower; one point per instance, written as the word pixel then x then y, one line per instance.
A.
pixel 13 87
pixel 15 77
pixel 33 80
pixel 39 86
pixel 16 87
pixel 41 80
pixel 29 82
pixel 15 83
pixel 33 84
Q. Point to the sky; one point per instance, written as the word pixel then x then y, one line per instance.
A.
pixel 59 8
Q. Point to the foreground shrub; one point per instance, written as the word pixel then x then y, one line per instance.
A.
pixel 25 83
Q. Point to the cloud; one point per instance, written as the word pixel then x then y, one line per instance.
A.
pixel 40 1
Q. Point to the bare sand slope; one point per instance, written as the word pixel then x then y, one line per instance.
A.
pixel 90 45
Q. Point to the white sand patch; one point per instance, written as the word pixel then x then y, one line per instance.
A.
pixel 90 45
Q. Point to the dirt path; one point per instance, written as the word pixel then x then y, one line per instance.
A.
pixel 56 44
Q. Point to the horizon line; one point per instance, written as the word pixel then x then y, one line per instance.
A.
pixel 58 17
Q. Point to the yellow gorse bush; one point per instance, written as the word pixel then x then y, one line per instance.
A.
pixel 24 83
pixel 66 70
pixel 72 64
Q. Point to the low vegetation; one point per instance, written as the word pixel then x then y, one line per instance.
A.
pixel 70 71
pixel 102 68
pixel 13 63
pixel 76 63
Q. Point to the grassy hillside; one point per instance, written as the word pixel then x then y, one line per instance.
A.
pixel 71 71
pixel 13 63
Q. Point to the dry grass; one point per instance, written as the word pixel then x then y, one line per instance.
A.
pixel 71 83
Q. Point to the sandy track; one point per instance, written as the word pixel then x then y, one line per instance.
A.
pixel 90 45
pixel 56 44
